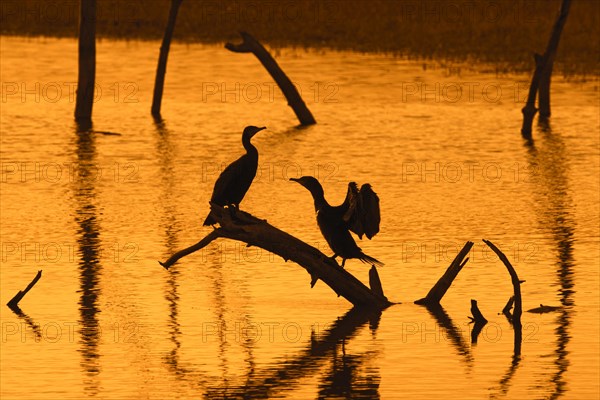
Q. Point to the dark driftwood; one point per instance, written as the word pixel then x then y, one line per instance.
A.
pixel 14 302
pixel 246 228
pixel 549 56
pixel 251 45
pixel 516 316
pixel 161 69
pixel 86 76
pixel 439 289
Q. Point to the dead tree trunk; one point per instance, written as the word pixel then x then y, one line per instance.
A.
pixel 516 316
pixel 86 77
pixel 251 45
pixel 530 109
pixel 540 81
pixel 439 289
pixel 549 56
pixel 161 69
pixel 256 232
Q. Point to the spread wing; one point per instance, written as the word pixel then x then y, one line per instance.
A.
pixel 362 214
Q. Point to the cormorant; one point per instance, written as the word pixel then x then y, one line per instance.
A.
pixel 358 213
pixel 235 180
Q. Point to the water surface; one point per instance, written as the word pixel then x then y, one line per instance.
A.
pixel 96 212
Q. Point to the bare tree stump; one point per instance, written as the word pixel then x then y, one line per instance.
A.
pixel 86 77
pixel 161 69
pixel 251 45
pixel 246 228
pixel 443 284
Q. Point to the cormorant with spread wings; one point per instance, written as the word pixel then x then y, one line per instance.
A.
pixel 358 213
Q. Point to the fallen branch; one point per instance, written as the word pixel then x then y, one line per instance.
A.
pixel 14 302
pixel 246 228
pixel 443 284
pixel 251 45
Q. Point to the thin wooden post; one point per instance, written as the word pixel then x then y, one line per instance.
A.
pixel 86 77
pixel 161 69
pixel 251 45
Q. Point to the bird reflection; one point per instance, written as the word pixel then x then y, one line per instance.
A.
pixel 287 374
pixel 344 378
pixel 553 205
pixel 88 242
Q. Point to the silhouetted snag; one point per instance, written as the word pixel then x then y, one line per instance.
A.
pixel 530 110
pixel 516 316
pixel 508 306
pixel 479 321
pixel 86 77
pixel 161 69
pixel 439 289
pixel 246 228
pixel 540 82
pixel 549 56
pixel 251 45
pixel 14 302
pixel 478 317
pixel 375 282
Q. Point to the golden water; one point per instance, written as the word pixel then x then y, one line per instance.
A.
pixel 95 213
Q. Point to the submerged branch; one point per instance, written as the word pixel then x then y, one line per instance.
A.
pixel 14 302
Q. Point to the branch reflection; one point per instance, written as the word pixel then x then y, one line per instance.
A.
pixel 88 241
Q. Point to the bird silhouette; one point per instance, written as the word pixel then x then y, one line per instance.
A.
pixel 358 213
pixel 235 180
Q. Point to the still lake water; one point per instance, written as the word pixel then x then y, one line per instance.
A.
pixel 96 213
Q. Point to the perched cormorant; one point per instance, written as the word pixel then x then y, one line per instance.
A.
pixel 358 213
pixel 235 180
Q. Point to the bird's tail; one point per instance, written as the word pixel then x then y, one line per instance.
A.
pixel 209 221
pixel 370 260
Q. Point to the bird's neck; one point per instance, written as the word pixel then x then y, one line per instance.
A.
pixel 250 149
pixel 319 199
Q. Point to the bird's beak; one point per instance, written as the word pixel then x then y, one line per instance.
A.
pixel 295 180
